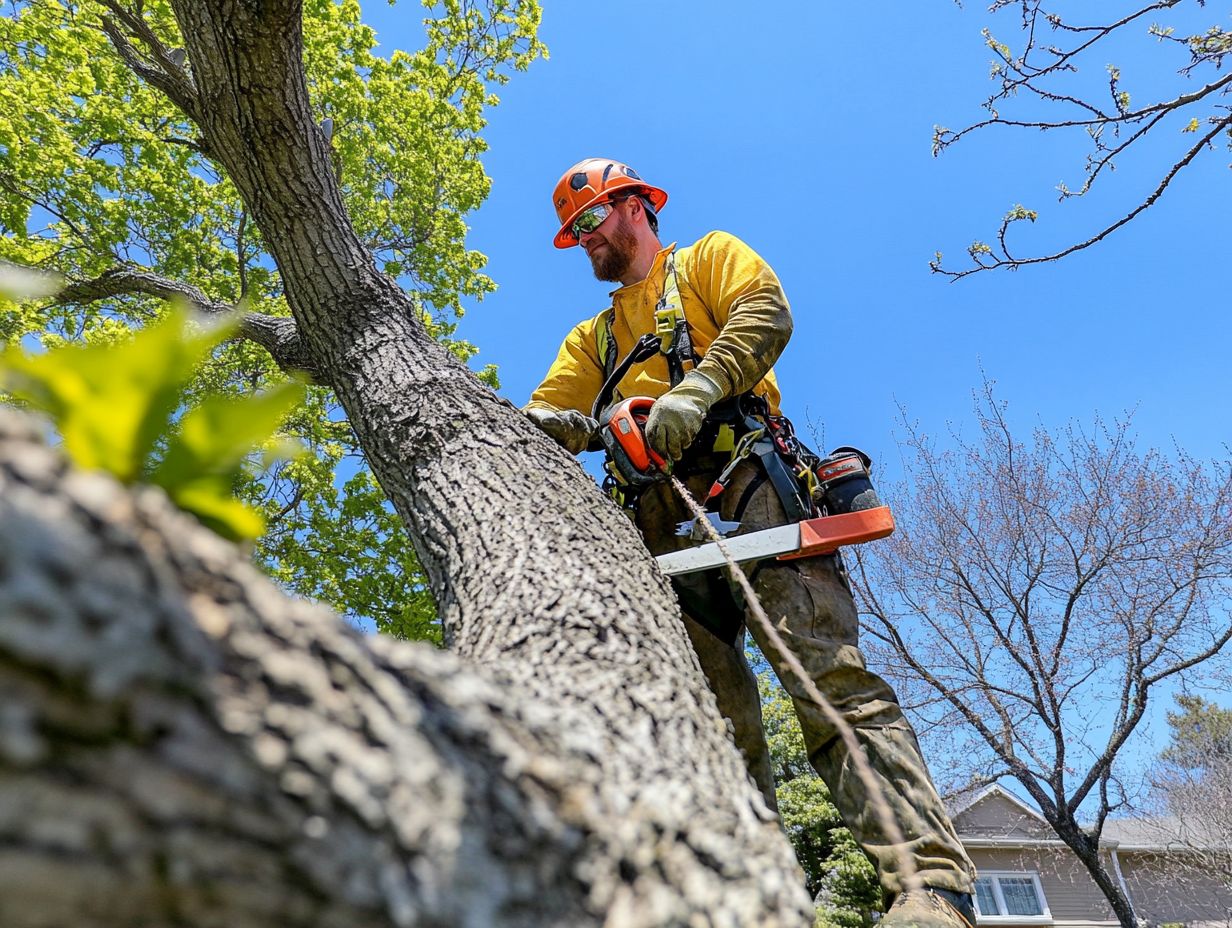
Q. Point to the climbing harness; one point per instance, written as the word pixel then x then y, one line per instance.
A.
pixel 670 338
pixel 807 485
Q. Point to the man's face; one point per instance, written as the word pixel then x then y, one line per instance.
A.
pixel 611 247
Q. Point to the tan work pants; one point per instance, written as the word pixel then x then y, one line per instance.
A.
pixel 811 607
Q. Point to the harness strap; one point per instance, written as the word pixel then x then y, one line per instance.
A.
pixel 607 342
pixel 644 349
pixel 783 480
pixel 671 332
pixel 672 327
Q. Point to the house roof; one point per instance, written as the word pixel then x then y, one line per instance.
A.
pixel 961 802
pixel 1145 833
pixel 1158 834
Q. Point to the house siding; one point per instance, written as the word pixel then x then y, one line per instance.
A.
pixel 1164 887
pixel 1171 889
pixel 1070 893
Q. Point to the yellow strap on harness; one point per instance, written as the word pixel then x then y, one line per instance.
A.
pixel 669 313
pixel 670 321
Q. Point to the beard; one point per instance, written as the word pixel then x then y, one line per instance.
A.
pixel 611 263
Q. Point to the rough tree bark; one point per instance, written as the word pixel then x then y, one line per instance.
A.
pixel 585 778
pixel 181 744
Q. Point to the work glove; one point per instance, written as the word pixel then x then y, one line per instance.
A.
pixel 571 429
pixel 677 416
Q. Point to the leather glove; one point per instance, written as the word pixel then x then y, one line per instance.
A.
pixel 677 416
pixel 571 429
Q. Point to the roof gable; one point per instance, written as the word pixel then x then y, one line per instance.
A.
pixel 996 812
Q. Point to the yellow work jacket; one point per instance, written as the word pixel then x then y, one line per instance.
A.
pixel 738 318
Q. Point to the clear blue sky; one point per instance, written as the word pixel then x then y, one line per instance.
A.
pixel 805 129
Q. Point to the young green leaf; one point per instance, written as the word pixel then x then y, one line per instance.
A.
pixel 114 404
pixel 205 458
pixel 111 403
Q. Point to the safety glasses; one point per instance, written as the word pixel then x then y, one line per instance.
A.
pixel 592 218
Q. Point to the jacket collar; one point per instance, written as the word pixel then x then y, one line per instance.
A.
pixel 656 272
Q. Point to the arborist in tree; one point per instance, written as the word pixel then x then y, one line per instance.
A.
pixel 698 329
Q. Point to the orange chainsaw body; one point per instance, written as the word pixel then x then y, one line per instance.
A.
pixel 627 423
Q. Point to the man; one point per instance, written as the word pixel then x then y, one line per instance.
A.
pixel 731 321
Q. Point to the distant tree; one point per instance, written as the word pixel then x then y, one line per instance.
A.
pixel 1043 85
pixel 841 879
pixel 1193 785
pixel 1201 735
pixel 1035 595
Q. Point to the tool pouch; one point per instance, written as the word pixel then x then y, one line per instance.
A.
pixel 844 482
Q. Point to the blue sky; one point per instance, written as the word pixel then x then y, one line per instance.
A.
pixel 807 133
pixel 805 129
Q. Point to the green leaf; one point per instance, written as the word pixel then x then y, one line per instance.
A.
pixel 216 436
pixel 210 500
pixel 111 403
pixel 205 458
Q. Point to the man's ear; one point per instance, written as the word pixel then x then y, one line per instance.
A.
pixel 636 208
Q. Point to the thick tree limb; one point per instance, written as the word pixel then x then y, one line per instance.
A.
pixel 179 743
pixel 162 68
pixel 276 334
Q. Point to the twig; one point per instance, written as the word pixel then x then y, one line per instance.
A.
pixel 1146 204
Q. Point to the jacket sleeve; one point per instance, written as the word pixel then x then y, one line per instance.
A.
pixel 574 379
pixel 748 305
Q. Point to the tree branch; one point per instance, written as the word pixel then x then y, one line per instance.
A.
pixel 276 334
pixel 1006 260
pixel 200 749
pixel 160 70
pixel 1021 77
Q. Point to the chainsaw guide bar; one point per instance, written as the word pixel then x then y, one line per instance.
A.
pixel 823 535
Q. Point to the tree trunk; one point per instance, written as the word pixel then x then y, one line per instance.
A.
pixel 1086 849
pixel 585 777
pixel 181 744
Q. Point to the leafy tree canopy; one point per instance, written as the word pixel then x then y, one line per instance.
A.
pixel 105 181
pixel 1201 734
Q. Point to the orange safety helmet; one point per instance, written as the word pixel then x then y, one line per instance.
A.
pixel 592 181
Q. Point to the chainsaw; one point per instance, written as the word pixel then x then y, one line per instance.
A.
pixel 622 431
pixel 839 486
pixel 853 514
pixel 631 460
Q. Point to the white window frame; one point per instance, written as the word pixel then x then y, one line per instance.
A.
pixel 994 876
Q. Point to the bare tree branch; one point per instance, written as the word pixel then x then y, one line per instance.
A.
pixel 1022 78
pixel 985 260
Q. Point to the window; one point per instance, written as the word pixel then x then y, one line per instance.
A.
pixel 1010 896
